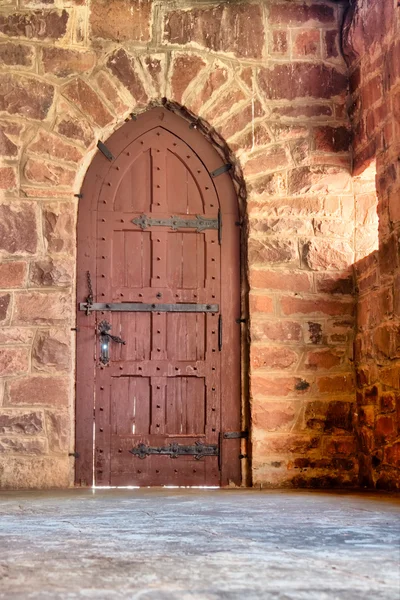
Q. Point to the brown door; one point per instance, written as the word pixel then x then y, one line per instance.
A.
pixel 158 355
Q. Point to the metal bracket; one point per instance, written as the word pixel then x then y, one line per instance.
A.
pixel 221 170
pixel 139 307
pixel 104 150
pixel 199 223
pixel 234 435
pixel 74 454
pixel 198 450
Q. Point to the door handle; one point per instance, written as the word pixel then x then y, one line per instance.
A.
pixel 105 338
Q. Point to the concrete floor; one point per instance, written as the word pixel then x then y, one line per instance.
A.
pixel 199 545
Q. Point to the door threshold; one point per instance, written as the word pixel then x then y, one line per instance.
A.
pixel 150 487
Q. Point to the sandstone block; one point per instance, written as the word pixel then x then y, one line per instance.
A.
pixel 283 13
pixel 111 93
pixel 185 69
pixel 53 147
pixel 40 473
pixel 291 305
pixel 392 454
pixel 321 255
pixel 276 331
pixel 386 427
pixel 287 444
pixel 280 280
pixel 340 445
pixel 307 43
pixel 274 158
pixel 278 42
pixel 38 24
pixel 5 300
pixel 336 384
pixel 51 272
pixel 51 351
pixel 25 96
pixel 238 120
pixel 332 139
pixel 272 251
pixel 44 172
pixel 123 68
pixel 74 128
pixel 80 94
pixel 272 357
pixel 278 386
pixel 40 308
pixel 12 275
pixel 58 431
pixel 21 446
pixel 12 54
pixel 14 361
pixel 273 184
pixel 63 62
pixel 233 28
pixel 274 416
pixel 261 303
pixel 58 227
pixel 318 180
pixel 8 179
pixel 223 106
pixel 15 336
pixel 216 79
pixel 121 20
pixel 9 147
pixel 46 391
pixel 301 80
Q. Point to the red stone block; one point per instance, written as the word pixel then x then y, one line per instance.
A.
pixel 38 24
pixel 216 79
pixel 14 361
pixel 332 44
pixel 268 160
pixel 288 444
pixel 278 386
pixel 324 359
pixel 51 351
pixel 385 426
pixel 17 423
pixel 314 111
pixel 272 251
pixel 392 454
pixel 63 62
pixel 40 308
pixel 307 43
pixel 121 20
pixel 186 67
pixel 80 94
pixel 261 303
pixel 339 445
pixel 53 147
pixel 314 306
pixel 58 427
pixel 296 14
pixel 50 271
pixel 321 255
pixel 4 306
pixel 53 391
pixel 336 384
pixel 18 228
pixel 123 68
pixel 278 43
pixel 239 120
pixel 8 179
pixel 330 284
pixel 332 139
pixel 276 331
pixel 233 28
pixel 58 227
pixel 371 92
pixel 12 275
pixel 10 130
pixel 274 416
pixel 301 80
pixel 49 174
pixel 280 280
pixel 272 357
pixel 16 54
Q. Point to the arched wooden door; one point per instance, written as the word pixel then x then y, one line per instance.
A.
pixel 158 269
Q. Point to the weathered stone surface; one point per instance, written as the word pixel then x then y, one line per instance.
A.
pixel 341 284
pixel 44 172
pixel 58 431
pixel 259 135
pixel 185 69
pixel 280 280
pixel 42 308
pixel 307 43
pixel 301 80
pixel 51 351
pixel 73 126
pixel 319 179
pixel 332 139
pixel 336 384
pixel 14 361
pixel 317 305
pixel 47 391
pixel 5 300
pixel 276 331
pixel 278 42
pixel 58 227
pixel 8 179
pixel 63 62
pixel 156 65
pixel 272 251
pixel 39 24
pixel 261 303
pixel 16 55
pixel 123 68
pixel 25 96
pixel 12 275
pixel 111 93
pixel 18 229
pixel 282 13
pixel 15 335
pixel 287 444
pixel 78 92
pixel 51 272
pixel 53 147
pixel 121 20
pixel 324 359
pixel 268 160
pixel 233 28
pixel 330 417
pixel 41 473
pixel 10 142
pixel 272 385
pixel 272 357
pixel 216 79
pixel 19 446
pixel 326 255
pixel 274 416
pixel 282 225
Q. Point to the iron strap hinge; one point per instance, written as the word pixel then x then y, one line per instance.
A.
pixel 234 435
pixel 104 150
pixel 220 170
pixel 141 307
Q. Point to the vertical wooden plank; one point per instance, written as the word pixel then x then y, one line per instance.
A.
pixel 158 405
pixel 140 394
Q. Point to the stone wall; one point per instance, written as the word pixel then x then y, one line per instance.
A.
pixel 372 48
pixel 270 79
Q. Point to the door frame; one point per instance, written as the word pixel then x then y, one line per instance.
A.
pixel 86 262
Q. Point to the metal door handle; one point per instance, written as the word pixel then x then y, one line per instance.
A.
pixel 105 337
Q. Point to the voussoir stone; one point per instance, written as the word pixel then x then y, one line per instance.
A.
pixel 25 96
pixel 51 351
pixel 123 68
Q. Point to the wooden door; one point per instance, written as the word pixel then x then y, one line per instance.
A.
pixel 159 255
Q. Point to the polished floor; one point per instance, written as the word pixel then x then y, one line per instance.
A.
pixel 199 545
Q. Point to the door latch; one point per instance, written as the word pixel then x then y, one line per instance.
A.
pixel 105 338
